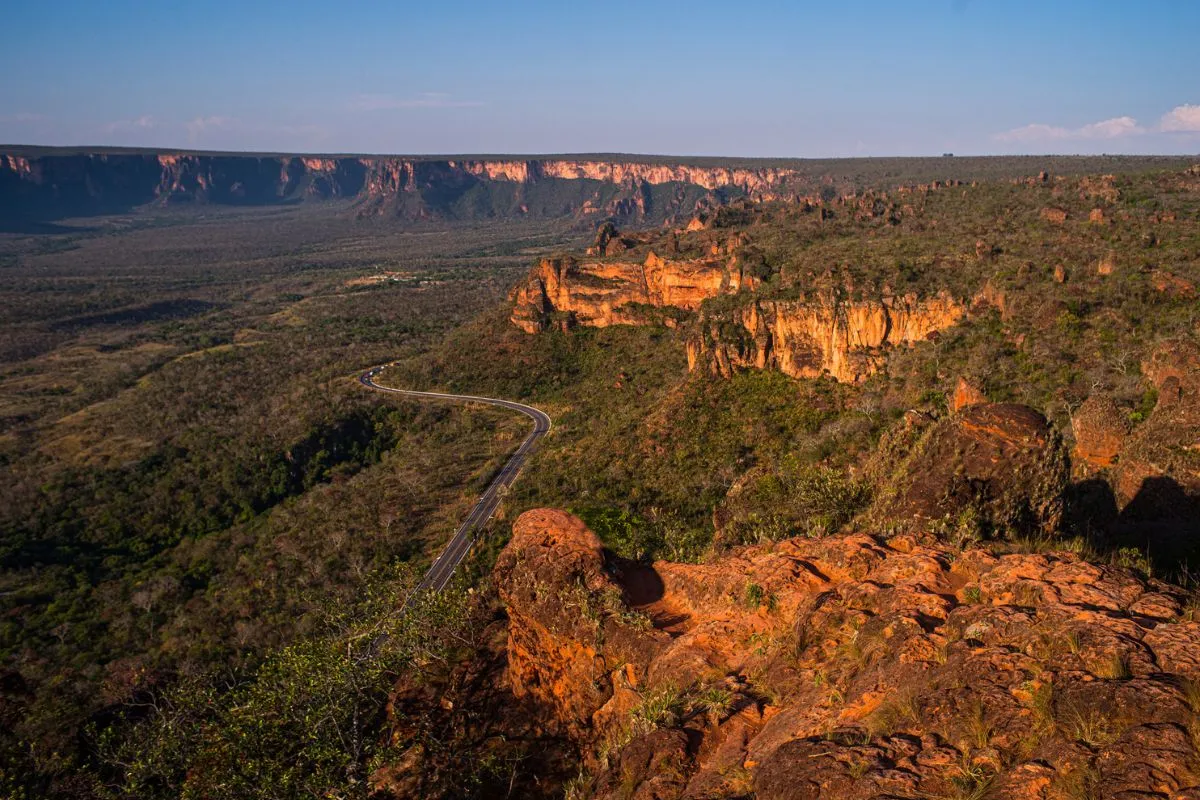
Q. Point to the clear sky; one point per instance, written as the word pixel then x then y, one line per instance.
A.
pixel 739 77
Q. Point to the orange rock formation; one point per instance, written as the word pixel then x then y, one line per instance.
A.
pixel 965 395
pixel 805 338
pixel 602 293
pixel 859 668
pixel 824 335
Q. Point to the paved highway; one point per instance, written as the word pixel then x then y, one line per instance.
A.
pixel 442 570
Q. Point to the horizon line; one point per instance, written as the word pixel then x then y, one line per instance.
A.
pixel 82 149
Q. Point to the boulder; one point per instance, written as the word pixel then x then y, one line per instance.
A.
pixel 1100 428
pixel 1000 464
pixel 965 395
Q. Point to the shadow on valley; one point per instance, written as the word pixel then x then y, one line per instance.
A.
pixel 153 312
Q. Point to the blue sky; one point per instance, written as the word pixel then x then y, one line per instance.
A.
pixel 742 78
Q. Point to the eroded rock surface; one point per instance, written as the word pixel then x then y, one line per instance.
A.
pixel 858 667
pixel 1100 429
pixel 822 335
pixel 1157 478
pixel 603 293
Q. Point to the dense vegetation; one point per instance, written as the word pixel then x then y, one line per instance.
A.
pixel 208 526
pixel 190 473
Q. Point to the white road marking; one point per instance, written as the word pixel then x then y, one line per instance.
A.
pixel 460 544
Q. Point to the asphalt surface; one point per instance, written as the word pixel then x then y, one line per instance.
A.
pixel 460 544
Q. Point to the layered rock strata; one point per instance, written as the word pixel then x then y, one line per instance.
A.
pixel 809 337
pixel 603 293
pixel 822 335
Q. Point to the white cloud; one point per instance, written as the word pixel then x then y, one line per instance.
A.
pixel 142 123
pixel 204 123
pixel 1181 118
pixel 388 102
pixel 1105 129
pixel 199 126
pixel 1110 128
pixel 1033 133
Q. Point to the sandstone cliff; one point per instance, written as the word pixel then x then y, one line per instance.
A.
pixel 602 293
pixel 822 335
pixel 855 666
pixel 807 337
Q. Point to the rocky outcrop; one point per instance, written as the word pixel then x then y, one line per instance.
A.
pixel 855 666
pixel 1153 467
pixel 965 395
pixel 1100 430
pixel 1159 467
pixel 603 293
pixel 994 469
pixel 1172 285
pixel 567 629
pixel 824 335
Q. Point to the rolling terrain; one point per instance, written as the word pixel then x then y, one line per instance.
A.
pixel 871 477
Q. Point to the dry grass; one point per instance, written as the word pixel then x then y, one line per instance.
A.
pixel 894 713
pixel 1115 667
pixel 1092 726
pixel 1081 783
pixel 979 731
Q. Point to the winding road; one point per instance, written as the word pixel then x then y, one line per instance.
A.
pixel 442 570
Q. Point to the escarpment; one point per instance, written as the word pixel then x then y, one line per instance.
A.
pixel 50 184
pixel 855 666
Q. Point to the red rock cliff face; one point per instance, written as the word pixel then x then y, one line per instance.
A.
pixel 802 338
pixel 603 293
pixel 823 335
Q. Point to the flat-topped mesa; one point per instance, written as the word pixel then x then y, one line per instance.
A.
pixel 752 181
pixel 812 337
pixel 603 293
pixel 46 184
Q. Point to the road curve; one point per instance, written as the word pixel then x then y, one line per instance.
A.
pixel 460 544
